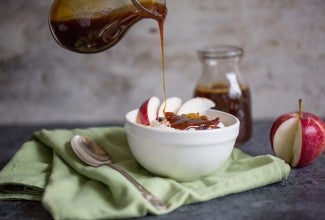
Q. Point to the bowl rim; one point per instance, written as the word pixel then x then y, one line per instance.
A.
pixel 175 131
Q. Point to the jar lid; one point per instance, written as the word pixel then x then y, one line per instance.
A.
pixel 221 51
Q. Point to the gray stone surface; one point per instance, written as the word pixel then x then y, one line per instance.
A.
pixel 41 82
pixel 300 196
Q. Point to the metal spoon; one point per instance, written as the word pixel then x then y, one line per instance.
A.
pixel 94 155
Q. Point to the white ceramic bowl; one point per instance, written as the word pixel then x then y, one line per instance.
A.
pixel 182 155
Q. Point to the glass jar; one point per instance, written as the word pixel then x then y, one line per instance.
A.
pixel 222 82
pixel 85 26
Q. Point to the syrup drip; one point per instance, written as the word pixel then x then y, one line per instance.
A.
pixel 191 121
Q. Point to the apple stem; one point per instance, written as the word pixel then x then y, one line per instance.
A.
pixel 300 108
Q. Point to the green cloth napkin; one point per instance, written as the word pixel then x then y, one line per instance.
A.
pixel 46 169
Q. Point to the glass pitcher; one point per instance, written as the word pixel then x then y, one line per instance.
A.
pixel 222 82
pixel 91 26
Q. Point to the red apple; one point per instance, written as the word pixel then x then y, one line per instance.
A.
pixel 298 137
pixel 148 111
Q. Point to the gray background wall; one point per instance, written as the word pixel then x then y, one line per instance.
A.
pixel 284 41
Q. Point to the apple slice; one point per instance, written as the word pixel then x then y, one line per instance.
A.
pixel 298 137
pixel 196 105
pixel 148 111
pixel 285 139
pixel 172 105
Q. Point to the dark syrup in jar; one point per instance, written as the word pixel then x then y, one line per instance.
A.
pixel 238 105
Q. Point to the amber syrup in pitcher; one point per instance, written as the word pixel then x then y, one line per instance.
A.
pixel 87 27
pixel 93 32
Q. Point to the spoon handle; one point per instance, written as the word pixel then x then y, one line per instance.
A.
pixel 157 203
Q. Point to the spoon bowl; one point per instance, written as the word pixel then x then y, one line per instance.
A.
pixel 89 152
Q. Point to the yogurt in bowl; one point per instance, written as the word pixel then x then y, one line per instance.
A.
pixel 183 155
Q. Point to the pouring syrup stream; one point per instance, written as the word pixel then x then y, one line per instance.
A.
pixel 162 46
